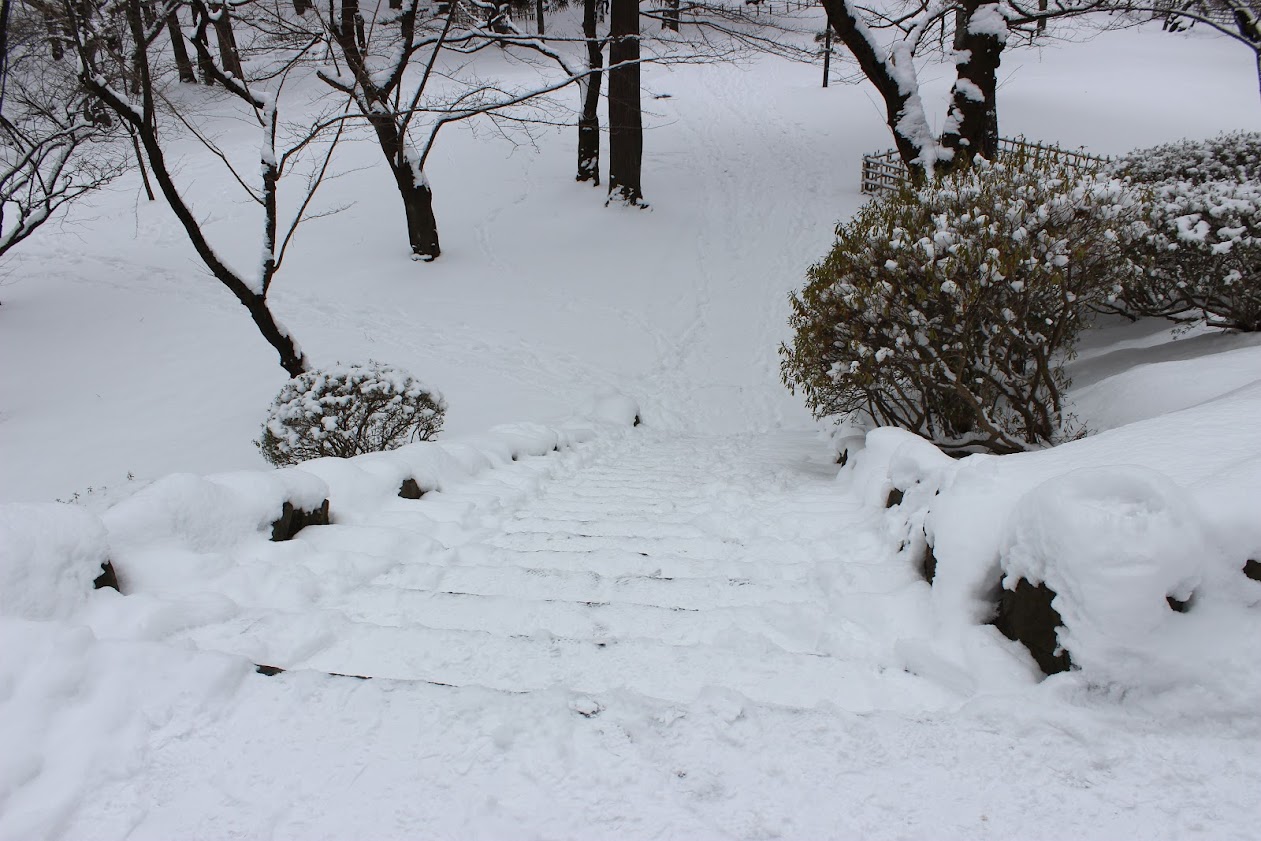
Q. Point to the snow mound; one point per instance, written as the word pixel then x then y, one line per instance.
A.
pixel 77 712
pixel 49 556
pixel 1142 532
pixel 616 409
pixel 1113 544
pixel 210 512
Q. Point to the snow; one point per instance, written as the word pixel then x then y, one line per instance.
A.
pixel 52 553
pixel 1114 543
pixel 1112 523
pixel 988 19
pixel 696 626
pixel 968 89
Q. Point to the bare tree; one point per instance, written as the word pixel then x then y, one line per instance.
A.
pixel 1239 20
pixel 371 66
pixel 690 33
pixel 140 112
pixel 885 41
pixel 55 148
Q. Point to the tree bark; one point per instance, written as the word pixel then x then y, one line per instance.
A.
pixel 206 65
pixel 51 22
pixel 589 121
pixel 413 189
pixel 422 225
pixel 538 13
pixel 182 62
pixel 971 126
pixel 626 127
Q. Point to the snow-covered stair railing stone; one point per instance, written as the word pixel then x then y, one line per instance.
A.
pixel 1133 575
pixel 179 527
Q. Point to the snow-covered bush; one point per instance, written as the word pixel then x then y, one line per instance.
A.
pixel 348 410
pixel 1201 254
pixel 1228 157
pixel 949 309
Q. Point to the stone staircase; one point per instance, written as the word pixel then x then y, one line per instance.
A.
pixel 659 565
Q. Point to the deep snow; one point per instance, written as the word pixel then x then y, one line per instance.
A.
pixel 587 629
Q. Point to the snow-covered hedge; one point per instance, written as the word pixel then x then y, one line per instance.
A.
pixel 1228 157
pixel 348 410
pixel 948 310
pixel 1201 254
pixel 1202 257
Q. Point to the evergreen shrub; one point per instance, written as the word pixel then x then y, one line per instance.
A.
pixel 949 309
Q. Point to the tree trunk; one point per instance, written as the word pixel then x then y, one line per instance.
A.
pixel 670 19
pixel 626 127
pixel 413 189
pixel 182 62
pixel 422 225
pixel 538 13
pixel 827 55
pixel 589 121
pixel 857 39
pixel 228 55
pixel 55 33
pixel 971 126
pixel 205 65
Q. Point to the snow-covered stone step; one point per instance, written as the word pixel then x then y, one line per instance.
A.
pixel 710 548
pixel 603 528
pixel 678 673
pixel 792 627
pixel 612 562
pixel 665 512
pixel 542 583
pixel 616 493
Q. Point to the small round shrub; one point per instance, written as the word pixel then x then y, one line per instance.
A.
pixel 949 309
pixel 1200 257
pixel 347 410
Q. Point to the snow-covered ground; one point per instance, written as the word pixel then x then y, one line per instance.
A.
pixel 687 628
pixel 126 358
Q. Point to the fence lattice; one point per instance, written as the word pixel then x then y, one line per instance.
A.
pixel 885 172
